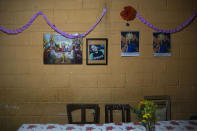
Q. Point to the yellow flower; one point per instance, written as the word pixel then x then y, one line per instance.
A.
pixel 146 116
pixel 141 103
pixel 144 121
pixel 146 111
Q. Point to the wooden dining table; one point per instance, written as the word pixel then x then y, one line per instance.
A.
pixel 173 125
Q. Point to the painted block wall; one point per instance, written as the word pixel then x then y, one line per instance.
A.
pixel 31 92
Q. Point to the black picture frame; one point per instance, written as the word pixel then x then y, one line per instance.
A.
pixel 96 51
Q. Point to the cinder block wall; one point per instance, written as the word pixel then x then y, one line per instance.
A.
pixel 31 92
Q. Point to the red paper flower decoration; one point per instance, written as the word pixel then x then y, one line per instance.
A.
pixel 128 13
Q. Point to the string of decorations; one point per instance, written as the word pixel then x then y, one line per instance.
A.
pixel 129 13
pixel 167 31
pixel 52 26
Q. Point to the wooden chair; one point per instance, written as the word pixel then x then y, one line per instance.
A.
pixel 125 108
pixel 164 106
pixel 95 110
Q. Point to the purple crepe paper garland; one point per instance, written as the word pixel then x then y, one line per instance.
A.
pixel 84 34
pixel 52 26
pixel 167 31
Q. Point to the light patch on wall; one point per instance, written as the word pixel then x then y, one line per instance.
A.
pixel 6 106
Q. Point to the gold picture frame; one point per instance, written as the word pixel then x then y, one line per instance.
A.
pixel 96 51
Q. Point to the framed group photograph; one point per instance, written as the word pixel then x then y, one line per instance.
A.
pixel 61 50
pixel 96 51
pixel 130 43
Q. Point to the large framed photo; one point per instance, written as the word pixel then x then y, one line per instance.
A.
pixel 61 50
pixel 96 51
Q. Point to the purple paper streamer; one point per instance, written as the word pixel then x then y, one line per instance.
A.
pixel 52 26
pixel 167 31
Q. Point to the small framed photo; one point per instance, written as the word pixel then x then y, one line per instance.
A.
pixel 96 51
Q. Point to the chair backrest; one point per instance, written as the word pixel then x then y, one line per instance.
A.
pixel 125 108
pixel 164 106
pixel 95 110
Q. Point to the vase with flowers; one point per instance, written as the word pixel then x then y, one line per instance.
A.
pixel 146 114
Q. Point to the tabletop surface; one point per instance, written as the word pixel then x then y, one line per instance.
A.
pixel 173 125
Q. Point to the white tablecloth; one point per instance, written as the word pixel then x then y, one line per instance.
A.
pixel 83 127
pixel 174 125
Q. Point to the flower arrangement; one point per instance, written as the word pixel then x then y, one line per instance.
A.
pixel 146 113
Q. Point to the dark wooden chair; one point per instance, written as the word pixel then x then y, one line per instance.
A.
pixel 83 107
pixel 125 108
pixel 164 106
